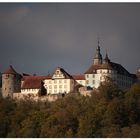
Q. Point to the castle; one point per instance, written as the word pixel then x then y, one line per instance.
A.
pixel 61 82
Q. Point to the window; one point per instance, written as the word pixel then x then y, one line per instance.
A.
pixel 55 86
pixel 87 76
pixel 60 81
pixel 93 81
pixel 65 86
pixel 93 76
pixel 109 71
pixel 65 81
pixel 87 81
pixel 50 91
pixel 7 76
pixel 60 86
pixel 50 82
pixel 55 81
pixel 50 87
pixel 57 72
pixel 101 78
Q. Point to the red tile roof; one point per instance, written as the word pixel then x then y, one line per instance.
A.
pixel 92 69
pixel 33 82
pixel 10 70
pixel 111 65
pixel 79 77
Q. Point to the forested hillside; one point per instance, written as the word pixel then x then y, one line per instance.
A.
pixel 109 112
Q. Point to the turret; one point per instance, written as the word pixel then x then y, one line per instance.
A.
pixel 11 82
pixel 106 60
pixel 98 57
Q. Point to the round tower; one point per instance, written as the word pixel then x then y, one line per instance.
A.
pixel 11 82
pixel 98 57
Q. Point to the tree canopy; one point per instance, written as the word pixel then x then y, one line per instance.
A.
pixel 108 113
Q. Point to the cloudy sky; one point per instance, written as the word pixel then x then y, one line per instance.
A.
pixel 38 37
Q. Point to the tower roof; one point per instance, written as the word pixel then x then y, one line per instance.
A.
pixel 98 54
pixel 10 70
pixel 107 58
pixel 98 57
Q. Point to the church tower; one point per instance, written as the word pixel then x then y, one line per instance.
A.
pixel 98 57
pixel 11 82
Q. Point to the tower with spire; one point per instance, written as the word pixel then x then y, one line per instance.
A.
pixel 106 60
pixel 98 57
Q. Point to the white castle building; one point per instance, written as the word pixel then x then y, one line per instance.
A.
pixel 61 82
pixel 103 68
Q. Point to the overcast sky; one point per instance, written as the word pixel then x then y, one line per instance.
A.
pixel 36 38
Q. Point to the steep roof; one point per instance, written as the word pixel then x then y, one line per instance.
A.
pixel 10 70
pixel 33 82
pixel 66 75
pixel 92 69
pixel 110 65
pixel 79 77
pixel 120 69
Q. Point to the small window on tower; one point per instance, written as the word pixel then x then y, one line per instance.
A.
pixel 7 76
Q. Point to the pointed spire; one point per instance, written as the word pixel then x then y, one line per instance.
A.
pixel 98 56
pixel 106 58
pixel 98 44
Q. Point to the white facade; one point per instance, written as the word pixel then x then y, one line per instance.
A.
pixel 94 80
pixel 26 91
pixel 55 86
pixel 59 83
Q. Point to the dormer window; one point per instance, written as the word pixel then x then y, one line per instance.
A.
pixel 57 72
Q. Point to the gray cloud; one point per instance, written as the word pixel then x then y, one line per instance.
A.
pixel 37 37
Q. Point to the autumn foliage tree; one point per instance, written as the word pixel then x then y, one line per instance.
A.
pixel 109 113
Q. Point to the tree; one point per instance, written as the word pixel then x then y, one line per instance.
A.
pixel 132 103
pixel 109 90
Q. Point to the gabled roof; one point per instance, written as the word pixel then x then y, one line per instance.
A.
pixel 10 70
pixel 66 75
pixel 79 77
pixel 33 82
